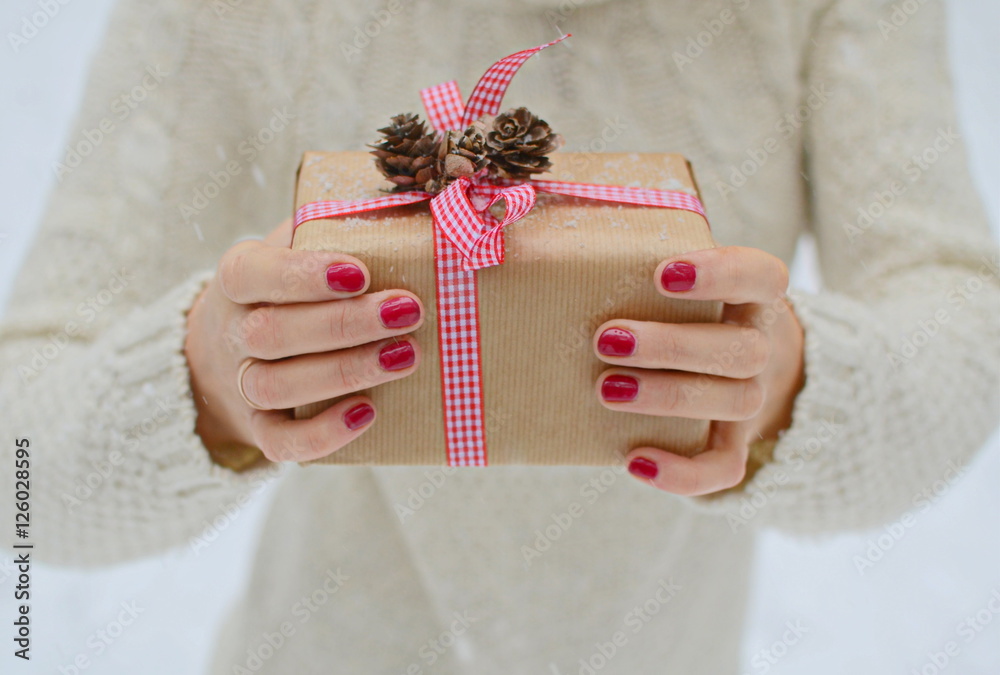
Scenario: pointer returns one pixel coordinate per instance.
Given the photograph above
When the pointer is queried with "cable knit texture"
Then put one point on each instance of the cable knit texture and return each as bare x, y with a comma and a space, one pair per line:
795, 114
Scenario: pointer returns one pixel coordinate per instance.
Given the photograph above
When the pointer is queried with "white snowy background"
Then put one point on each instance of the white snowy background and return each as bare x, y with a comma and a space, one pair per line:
895, 618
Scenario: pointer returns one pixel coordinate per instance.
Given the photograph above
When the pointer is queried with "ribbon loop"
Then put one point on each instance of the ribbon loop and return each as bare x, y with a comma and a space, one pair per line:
456, 217
476, 234
489, 247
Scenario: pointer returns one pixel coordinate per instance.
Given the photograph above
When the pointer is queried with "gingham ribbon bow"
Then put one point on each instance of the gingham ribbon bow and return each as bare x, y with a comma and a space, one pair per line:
467, 237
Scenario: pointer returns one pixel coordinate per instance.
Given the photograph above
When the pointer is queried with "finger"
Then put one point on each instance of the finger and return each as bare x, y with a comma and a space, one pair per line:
278, 331
762, 317
716, 349
721, 465
679, 394
279, 385
283, 439
253, 272
732, 274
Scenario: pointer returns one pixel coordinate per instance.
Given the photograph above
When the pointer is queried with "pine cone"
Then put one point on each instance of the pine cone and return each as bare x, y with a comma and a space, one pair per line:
517, 143
461, 153
407, 155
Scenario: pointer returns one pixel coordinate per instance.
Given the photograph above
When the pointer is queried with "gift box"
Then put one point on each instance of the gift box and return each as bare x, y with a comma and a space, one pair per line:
568, 265
515, 270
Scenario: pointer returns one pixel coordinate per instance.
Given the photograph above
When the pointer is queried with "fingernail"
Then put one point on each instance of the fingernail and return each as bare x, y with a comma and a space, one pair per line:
397, 356
399, 312
643, 468
358, 416
678, 276
616, 342
619, 388
345, 277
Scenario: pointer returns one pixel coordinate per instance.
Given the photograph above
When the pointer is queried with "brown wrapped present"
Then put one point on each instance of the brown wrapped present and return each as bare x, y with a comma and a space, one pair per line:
571, 264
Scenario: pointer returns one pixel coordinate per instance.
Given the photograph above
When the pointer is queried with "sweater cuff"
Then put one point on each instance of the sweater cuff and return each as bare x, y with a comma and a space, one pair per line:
790, 480
151, 398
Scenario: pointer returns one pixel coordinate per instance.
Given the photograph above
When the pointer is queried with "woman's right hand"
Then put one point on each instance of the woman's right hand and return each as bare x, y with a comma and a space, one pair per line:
295, 327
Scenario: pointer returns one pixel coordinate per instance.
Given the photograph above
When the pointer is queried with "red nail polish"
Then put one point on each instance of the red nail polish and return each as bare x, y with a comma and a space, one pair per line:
399, 312
345, 277
643, 468
397, 356
619, 388
359, 416
678, 276
616, 342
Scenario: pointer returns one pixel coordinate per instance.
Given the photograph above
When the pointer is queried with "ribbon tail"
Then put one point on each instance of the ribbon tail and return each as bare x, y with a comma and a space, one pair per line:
488, 94
459, 349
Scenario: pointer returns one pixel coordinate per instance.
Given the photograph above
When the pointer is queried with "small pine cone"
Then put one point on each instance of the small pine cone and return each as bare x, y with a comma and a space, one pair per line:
407, 154
518, 143
461, 153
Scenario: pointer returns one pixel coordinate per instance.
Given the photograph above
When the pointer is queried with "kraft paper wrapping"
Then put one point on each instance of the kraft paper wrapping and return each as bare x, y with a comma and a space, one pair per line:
570, 265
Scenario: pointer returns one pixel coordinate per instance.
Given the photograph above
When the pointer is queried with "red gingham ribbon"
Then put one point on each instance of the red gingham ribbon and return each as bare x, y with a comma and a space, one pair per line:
467, 237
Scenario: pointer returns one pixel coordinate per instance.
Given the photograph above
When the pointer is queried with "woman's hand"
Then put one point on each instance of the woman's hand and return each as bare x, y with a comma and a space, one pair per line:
743, 373
288, 328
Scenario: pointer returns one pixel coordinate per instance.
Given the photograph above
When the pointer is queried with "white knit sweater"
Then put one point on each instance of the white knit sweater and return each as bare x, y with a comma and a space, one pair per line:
833, 116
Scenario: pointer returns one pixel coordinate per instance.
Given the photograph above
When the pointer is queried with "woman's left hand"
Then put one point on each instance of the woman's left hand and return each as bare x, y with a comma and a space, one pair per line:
743, 373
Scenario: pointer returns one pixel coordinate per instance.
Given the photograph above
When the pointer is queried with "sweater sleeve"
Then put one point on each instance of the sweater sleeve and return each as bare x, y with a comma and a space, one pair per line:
902, 347
92, 368
117, 469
